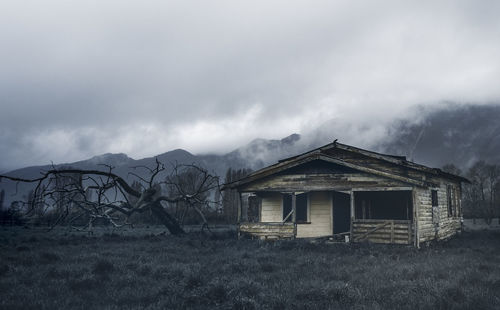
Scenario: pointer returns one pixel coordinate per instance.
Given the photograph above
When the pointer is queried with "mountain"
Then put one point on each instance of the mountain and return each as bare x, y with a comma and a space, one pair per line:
121, 163
254, 155
433, 136
458, 134
262, 152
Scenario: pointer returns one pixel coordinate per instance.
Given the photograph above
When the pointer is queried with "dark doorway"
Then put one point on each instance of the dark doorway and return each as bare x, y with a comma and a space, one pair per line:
341, 212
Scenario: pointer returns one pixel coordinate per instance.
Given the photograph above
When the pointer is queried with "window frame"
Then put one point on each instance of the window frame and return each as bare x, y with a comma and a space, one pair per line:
449, 200
284, 196
435, 205
458, 201
308, 208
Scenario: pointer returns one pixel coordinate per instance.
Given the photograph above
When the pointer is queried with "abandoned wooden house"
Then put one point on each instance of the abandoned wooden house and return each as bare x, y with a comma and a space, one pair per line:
344, 192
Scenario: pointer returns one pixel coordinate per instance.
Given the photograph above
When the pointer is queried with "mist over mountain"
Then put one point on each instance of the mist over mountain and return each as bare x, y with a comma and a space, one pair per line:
458, 134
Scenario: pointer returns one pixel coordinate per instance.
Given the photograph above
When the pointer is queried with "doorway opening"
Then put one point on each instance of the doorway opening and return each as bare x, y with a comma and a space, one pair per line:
341, 212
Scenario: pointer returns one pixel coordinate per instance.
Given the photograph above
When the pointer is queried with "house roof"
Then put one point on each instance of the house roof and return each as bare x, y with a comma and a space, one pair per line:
320, 154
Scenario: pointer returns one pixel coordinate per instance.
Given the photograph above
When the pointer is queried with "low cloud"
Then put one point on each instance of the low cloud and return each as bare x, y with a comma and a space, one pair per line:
144, 78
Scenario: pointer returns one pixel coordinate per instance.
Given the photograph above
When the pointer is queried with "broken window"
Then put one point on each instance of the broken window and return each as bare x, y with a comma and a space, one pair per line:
301, 206
287, 207
451, 211
457, 201
435, 206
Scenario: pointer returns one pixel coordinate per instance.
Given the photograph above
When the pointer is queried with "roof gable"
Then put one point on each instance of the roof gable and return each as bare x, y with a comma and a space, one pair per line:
357, 159
318, 166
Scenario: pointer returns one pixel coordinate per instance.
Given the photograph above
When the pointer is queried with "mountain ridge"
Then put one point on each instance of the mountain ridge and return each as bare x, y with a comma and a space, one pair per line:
458, 134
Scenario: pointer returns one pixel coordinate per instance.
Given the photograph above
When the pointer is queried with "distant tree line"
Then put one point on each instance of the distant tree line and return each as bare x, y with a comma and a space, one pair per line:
480, 198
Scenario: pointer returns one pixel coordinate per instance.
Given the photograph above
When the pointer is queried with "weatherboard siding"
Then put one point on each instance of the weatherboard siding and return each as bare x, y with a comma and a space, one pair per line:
320, 182
319, 213
272, 210
443, 226
320, 218
425, 224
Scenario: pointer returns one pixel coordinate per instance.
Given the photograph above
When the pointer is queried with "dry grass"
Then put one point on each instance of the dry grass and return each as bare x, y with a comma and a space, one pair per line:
47, 271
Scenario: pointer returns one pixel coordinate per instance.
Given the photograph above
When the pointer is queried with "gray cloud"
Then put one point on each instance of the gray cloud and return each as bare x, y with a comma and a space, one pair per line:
89, 77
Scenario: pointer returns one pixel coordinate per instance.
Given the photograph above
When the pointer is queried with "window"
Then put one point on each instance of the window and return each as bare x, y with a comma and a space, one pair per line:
451, 209
287, 207
301, 203
456, 193
434, 194
435, 206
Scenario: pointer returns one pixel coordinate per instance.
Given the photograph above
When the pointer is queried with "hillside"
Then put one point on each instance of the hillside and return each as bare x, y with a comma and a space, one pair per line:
460, 135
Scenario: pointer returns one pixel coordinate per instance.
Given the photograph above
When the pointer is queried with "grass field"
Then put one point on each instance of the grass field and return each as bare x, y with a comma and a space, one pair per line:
75, 271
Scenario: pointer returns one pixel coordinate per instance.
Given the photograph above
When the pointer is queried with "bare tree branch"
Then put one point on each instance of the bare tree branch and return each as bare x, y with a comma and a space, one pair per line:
68, 193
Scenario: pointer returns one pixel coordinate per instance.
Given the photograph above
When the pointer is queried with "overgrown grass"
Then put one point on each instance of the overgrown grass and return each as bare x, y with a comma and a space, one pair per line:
47, 271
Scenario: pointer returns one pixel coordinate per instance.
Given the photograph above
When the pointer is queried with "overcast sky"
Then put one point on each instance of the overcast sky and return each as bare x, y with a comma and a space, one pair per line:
81, 78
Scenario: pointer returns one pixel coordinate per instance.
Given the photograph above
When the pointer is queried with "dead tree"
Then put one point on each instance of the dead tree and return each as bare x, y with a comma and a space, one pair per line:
92, 195
192, 179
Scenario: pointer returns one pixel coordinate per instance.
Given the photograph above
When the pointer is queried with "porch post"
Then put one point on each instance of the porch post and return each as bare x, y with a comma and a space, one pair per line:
415, 217
294, 214
244, 206
238, 207
260, 208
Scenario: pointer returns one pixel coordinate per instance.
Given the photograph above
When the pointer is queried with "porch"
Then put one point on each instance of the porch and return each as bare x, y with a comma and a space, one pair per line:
364, 216
375, 231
